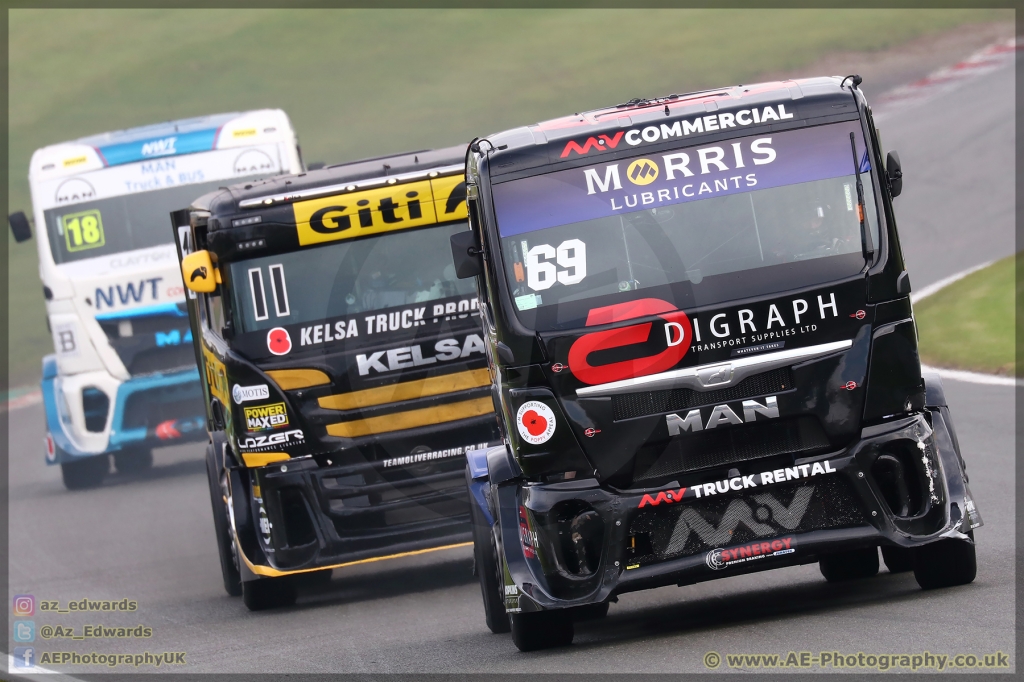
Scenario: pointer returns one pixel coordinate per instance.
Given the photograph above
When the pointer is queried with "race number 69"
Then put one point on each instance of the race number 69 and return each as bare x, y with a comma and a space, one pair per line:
541, 273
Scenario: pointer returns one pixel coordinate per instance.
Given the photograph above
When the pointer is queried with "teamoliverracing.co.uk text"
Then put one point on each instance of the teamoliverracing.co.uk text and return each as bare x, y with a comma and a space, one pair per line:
860, 660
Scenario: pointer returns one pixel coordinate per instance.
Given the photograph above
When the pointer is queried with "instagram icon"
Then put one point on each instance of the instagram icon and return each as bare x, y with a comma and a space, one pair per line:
24, 605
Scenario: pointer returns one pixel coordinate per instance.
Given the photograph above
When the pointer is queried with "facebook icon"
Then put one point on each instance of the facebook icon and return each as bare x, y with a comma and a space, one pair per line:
24, 656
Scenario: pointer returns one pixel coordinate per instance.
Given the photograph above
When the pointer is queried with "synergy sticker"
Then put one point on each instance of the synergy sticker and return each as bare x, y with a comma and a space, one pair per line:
536, 422
721, 558
278, 341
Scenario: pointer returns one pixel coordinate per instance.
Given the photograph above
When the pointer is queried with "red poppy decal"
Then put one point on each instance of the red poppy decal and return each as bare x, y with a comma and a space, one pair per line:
278, 341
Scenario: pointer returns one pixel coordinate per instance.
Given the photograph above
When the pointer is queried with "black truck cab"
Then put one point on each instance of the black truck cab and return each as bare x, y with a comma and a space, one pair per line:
343, 366
705, 360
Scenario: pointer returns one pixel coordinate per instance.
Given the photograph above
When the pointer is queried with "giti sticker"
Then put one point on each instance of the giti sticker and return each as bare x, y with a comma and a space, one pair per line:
384, 209
266, 417
536, 422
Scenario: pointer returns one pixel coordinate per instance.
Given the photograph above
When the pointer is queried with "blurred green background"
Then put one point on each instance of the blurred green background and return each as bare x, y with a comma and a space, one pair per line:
359, 83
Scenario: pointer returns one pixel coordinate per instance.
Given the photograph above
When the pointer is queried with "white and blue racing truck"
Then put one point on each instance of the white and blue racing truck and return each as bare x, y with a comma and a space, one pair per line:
123, 376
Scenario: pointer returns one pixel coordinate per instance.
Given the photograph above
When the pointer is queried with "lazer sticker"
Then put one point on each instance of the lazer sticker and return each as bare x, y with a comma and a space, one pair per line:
278, 341
536, 422
718, 559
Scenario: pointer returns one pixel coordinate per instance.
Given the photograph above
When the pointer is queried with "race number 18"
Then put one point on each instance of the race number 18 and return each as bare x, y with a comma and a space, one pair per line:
83, 230
541, 273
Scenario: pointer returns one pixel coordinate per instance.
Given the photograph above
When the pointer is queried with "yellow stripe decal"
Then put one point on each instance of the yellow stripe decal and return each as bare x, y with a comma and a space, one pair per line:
448, 383
269, 572
413, 418
290, 379
259, 459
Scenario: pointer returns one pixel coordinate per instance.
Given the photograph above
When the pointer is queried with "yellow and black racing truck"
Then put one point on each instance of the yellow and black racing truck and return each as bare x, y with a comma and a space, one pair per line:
342, 363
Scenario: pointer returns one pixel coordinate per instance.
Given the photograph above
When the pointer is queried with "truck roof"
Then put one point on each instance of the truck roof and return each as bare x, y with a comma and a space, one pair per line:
283, 189
160, 140
643, 125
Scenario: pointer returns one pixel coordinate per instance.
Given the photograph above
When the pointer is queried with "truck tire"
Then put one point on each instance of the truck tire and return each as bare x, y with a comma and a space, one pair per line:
485, 554
85, 473
850, 565
590, 611
898, 559
133, 461
542, 630
946, 563
268, 593
225, 542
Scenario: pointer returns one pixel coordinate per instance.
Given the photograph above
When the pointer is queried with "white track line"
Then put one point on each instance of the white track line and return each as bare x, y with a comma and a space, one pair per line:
946, 281
973, 377
948, 78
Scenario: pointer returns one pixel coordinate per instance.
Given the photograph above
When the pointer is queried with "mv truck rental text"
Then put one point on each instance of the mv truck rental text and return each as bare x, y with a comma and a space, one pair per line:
705, 362
122, 379
343, 367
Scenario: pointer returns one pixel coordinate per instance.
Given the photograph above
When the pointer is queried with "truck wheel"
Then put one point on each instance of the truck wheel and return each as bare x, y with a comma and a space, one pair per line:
851, 565
268, 593
225, 542
898, 559
485, 553
542, 630
590, 611
85, 473
946, 563
133, 461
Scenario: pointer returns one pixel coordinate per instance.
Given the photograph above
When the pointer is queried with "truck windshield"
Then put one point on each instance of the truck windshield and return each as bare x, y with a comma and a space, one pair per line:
121, 223
695, 226
347, 277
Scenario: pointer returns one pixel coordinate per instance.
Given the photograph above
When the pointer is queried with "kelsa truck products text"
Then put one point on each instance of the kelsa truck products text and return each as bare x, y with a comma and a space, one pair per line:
698, 323
343, 365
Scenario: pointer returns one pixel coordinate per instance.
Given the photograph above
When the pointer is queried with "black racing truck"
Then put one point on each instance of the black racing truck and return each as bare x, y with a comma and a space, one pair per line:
342, 364
705, 358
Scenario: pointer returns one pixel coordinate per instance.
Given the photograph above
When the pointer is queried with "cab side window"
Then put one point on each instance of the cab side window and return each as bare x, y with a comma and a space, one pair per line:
215, 312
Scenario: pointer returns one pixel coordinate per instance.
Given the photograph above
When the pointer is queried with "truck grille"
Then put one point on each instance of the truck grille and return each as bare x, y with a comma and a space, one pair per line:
631, 405
729, 445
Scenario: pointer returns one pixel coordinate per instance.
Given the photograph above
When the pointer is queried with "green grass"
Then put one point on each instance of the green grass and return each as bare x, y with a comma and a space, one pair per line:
970, 324
360, 83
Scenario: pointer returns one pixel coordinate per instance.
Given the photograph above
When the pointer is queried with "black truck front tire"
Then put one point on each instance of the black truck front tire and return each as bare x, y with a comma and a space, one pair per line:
85, 473
946, 563
849, 565
485, 553
133, 461
542, 629
225, 542
268, 593
898, 559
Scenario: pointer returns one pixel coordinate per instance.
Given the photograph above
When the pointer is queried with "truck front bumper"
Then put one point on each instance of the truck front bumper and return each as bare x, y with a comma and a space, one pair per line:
573, 543
94, 414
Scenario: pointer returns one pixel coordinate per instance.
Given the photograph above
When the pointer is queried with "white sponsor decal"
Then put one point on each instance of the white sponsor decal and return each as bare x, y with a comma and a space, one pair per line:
405, 357
256, 443
419, 457
536, 422
242, 394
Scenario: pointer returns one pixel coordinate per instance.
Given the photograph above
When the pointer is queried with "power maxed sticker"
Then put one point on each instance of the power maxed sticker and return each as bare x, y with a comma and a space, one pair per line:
536, 422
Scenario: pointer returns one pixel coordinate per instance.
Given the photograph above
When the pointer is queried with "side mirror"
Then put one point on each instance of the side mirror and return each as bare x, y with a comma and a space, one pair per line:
467, 255
894, 173
199, 272
20, 228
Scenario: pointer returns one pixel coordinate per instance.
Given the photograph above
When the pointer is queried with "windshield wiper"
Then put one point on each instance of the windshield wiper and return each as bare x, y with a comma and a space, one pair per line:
865, 235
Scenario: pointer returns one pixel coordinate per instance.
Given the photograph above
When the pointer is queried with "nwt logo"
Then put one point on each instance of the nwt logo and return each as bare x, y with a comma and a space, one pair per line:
159, 147
600, 142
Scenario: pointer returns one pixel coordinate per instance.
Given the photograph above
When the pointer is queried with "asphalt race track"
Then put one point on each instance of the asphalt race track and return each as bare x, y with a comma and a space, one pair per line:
150, 539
